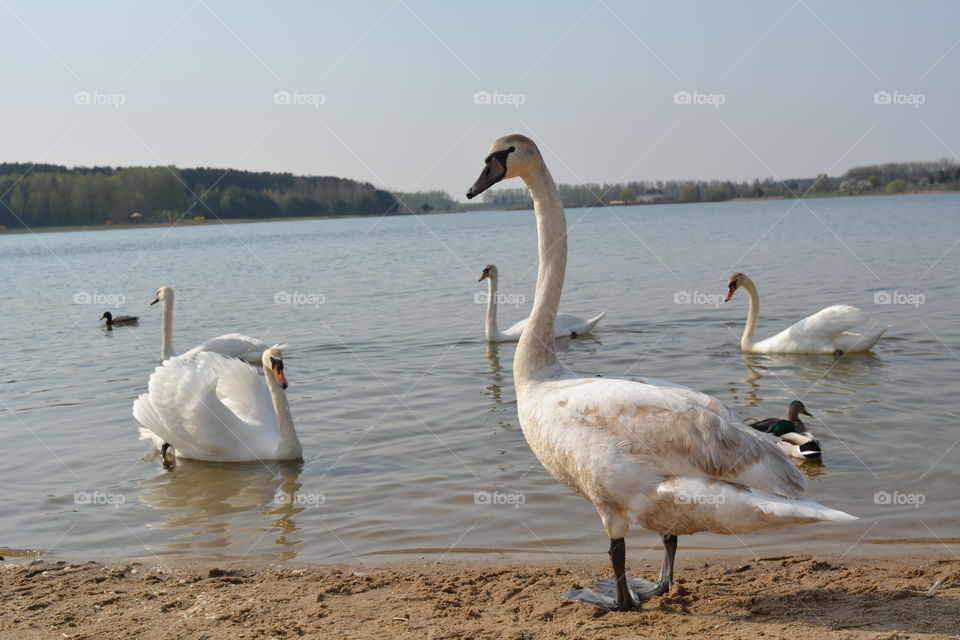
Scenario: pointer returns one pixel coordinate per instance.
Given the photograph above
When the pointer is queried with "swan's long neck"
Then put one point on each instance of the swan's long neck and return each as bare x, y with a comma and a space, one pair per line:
535, 352
491, 321
288, 446
753, 313
166, 341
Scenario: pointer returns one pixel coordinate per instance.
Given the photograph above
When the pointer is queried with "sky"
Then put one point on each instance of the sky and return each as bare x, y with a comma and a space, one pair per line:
409, 94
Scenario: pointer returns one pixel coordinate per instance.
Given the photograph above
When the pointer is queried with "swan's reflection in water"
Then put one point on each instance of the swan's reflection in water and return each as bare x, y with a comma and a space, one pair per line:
220, 506
775, 377
573, 348
495, 389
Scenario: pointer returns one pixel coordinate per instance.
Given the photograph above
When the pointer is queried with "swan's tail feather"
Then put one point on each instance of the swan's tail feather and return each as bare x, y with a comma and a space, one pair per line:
150, 436
871, 339
592, 322
856, 342
688, 505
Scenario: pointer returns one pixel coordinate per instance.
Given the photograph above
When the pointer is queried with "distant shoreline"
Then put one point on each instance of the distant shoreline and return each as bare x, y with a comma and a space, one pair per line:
192, 222
182, 223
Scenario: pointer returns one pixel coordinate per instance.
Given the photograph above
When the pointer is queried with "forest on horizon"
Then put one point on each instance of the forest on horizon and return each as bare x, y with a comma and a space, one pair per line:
44, 195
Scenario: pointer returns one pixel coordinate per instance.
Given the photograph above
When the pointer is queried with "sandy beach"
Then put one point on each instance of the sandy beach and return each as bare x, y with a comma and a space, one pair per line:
788, 596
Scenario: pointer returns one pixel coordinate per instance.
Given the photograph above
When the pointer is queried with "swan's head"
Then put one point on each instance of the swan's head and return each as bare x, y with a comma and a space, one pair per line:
163, 293
107, 316
796, 408
509, 157
736, 280
489, 271
273, 360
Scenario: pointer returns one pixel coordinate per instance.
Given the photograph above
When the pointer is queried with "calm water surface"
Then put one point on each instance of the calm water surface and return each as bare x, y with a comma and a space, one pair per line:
408, 418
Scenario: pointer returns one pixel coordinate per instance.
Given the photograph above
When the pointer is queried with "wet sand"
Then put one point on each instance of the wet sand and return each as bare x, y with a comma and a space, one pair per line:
729, 596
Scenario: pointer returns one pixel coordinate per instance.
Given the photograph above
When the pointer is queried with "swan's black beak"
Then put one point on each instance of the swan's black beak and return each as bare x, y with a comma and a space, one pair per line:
155, 300
493, 172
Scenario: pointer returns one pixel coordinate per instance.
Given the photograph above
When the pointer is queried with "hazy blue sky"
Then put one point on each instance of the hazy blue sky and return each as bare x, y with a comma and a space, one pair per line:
397, 81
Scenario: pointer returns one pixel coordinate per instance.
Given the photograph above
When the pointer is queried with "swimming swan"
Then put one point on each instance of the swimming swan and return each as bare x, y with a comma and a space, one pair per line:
231, 345
210, 407
826, 331
565, 325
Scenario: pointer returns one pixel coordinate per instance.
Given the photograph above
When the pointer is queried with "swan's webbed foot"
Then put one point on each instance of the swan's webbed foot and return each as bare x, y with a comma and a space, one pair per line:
621, 593
167, 460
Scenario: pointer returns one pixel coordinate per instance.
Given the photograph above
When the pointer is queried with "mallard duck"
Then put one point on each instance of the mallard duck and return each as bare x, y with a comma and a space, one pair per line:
119, 320
794, 437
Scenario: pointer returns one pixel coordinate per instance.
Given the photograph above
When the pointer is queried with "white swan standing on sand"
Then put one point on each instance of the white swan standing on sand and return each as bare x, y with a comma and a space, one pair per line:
231, 345
565, 325
213, 408
661, 456
826, 331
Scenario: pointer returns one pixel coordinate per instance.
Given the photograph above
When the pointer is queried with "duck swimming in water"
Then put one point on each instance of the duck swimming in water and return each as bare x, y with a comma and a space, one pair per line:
119, 320
795, 440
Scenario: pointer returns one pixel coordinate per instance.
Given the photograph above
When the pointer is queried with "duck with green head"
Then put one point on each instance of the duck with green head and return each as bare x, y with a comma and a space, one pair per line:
794, 437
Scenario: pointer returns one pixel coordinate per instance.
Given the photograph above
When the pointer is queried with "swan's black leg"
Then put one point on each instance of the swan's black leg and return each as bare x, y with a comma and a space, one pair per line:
666, 570
163, 455
618, 557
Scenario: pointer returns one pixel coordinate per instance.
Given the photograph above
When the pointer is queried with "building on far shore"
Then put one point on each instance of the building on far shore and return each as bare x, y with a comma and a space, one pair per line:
649, 196
653, 195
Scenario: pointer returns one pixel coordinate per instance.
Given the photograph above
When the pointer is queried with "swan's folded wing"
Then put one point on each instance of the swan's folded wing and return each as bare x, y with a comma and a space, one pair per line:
233, 345
828, 323
242, 389
676, 435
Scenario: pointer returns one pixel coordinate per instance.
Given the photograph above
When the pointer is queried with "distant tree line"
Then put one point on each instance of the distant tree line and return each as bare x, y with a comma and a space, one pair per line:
426, 202
900, 177
53, 195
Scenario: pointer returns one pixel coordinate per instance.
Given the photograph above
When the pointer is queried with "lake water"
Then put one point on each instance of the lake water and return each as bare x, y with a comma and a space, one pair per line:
408, 418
